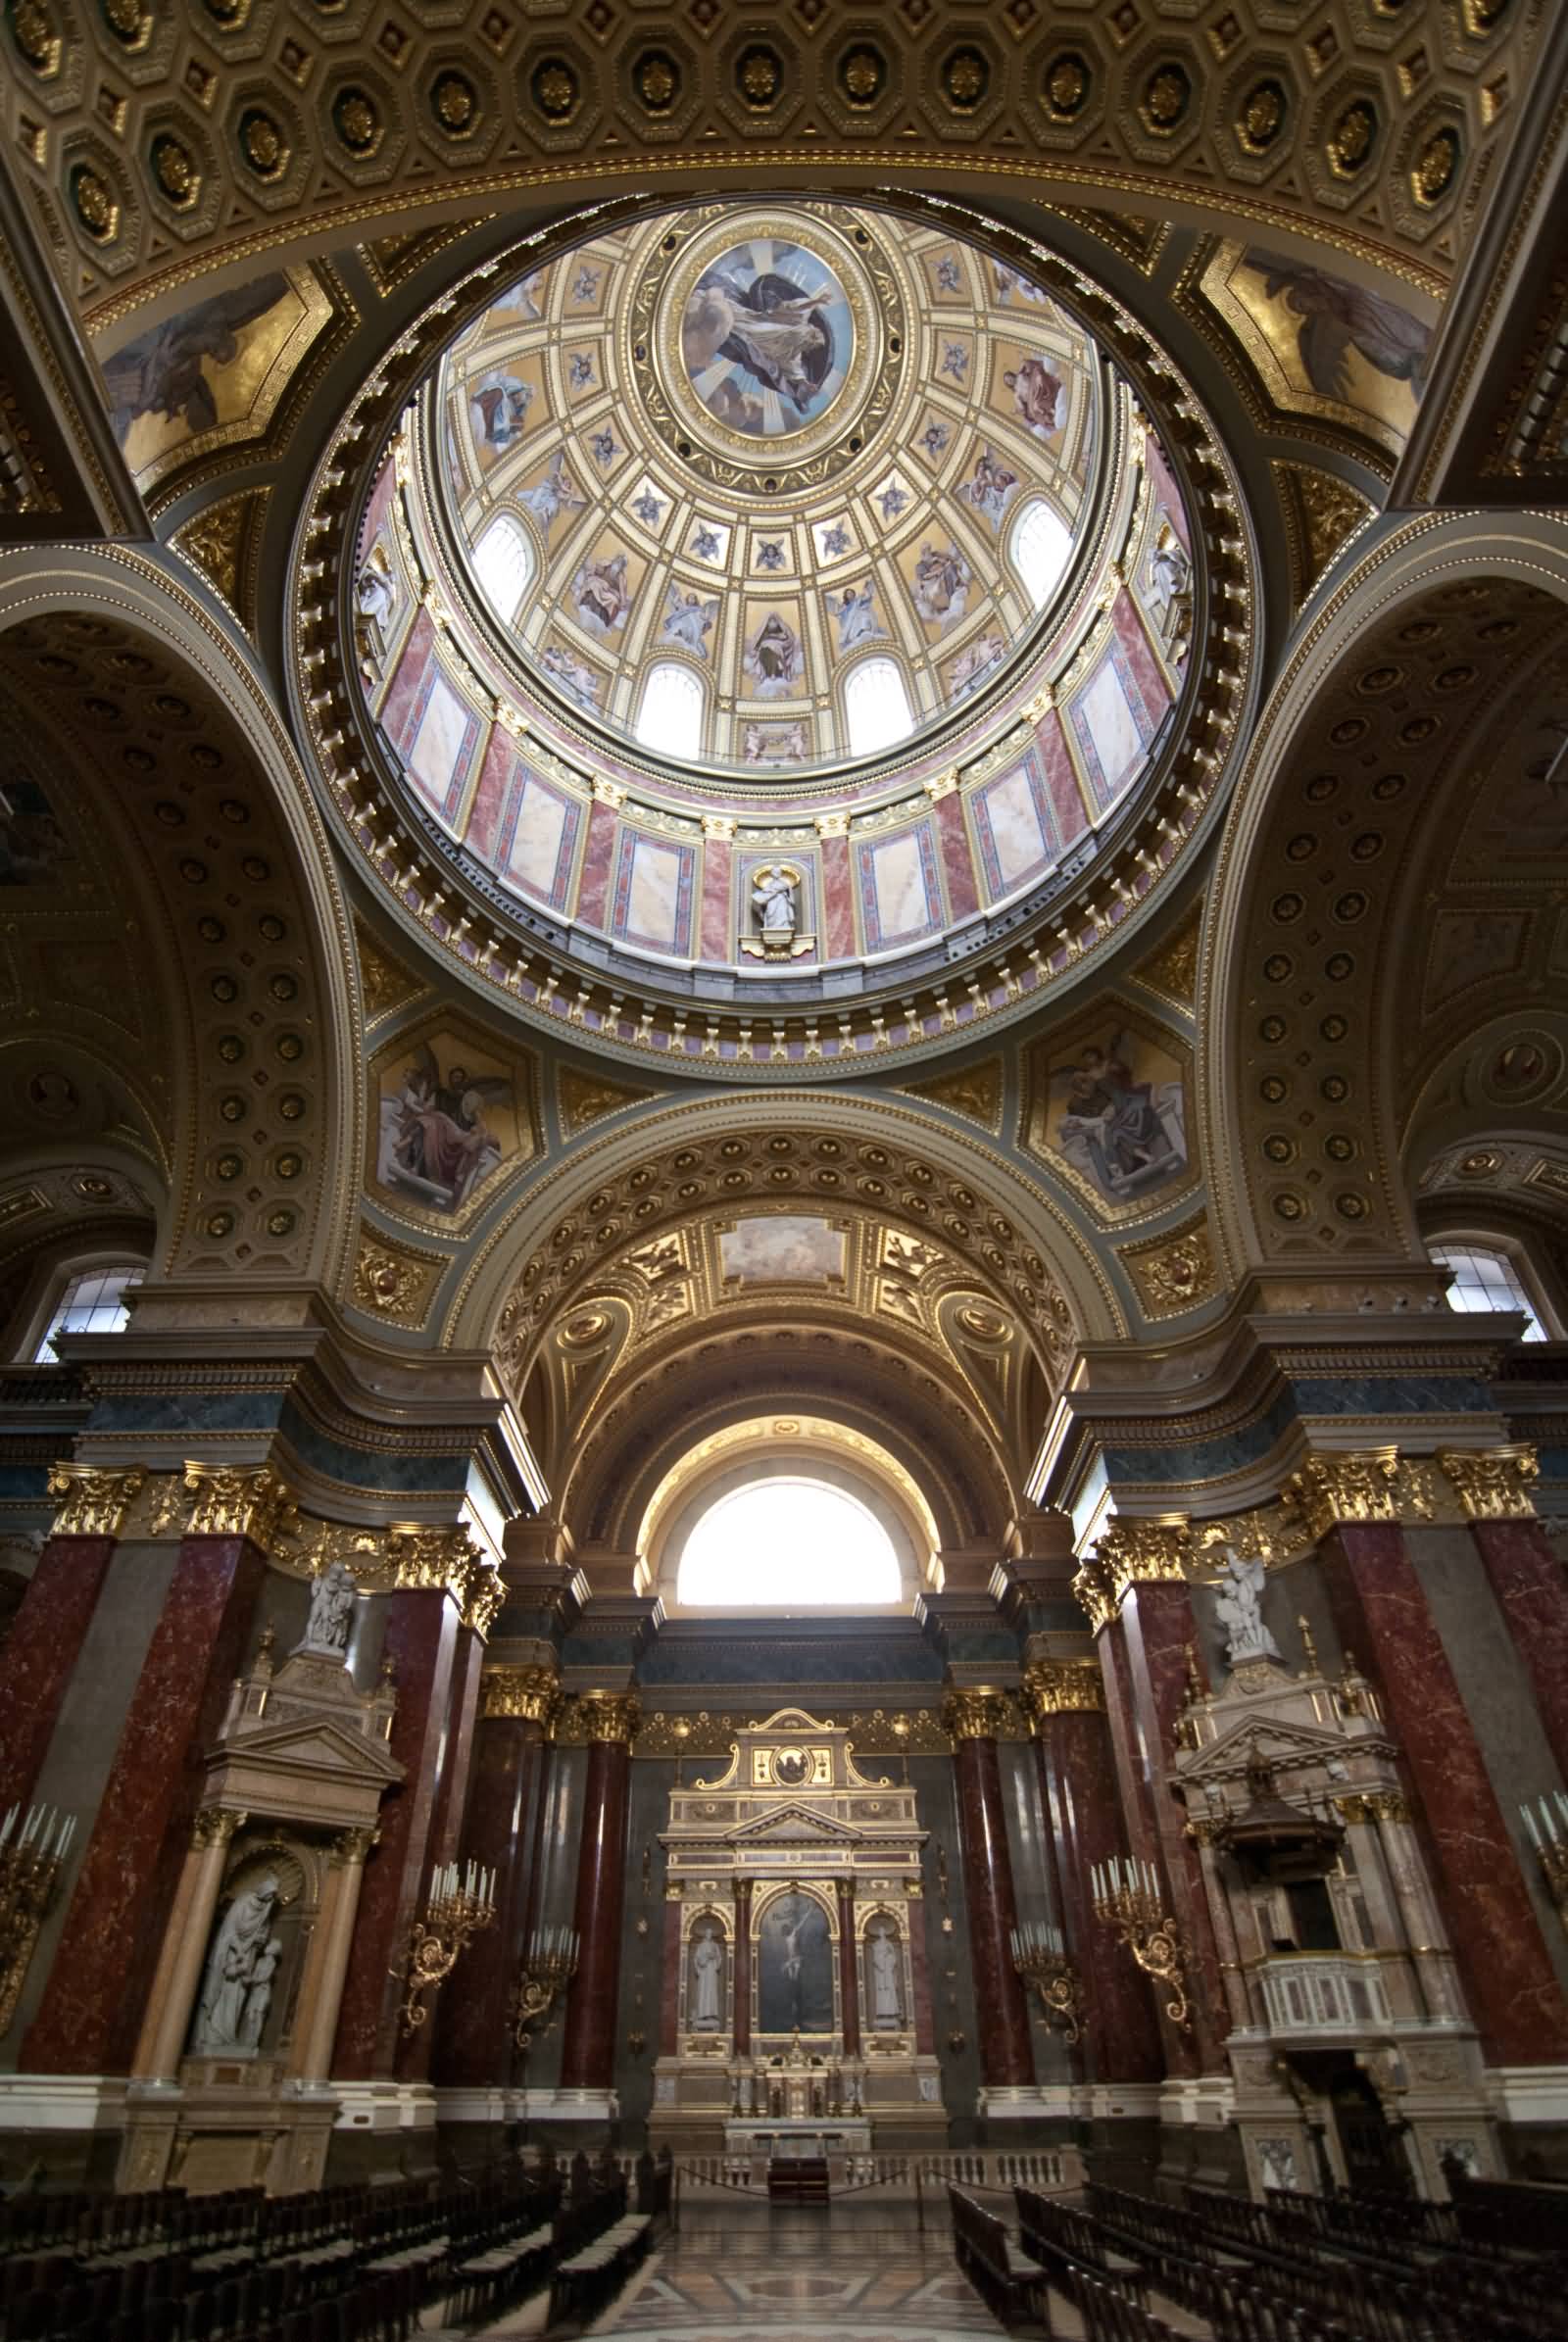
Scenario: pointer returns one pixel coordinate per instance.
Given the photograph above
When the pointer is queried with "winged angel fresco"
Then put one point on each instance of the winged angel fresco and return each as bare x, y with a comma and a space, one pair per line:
436, 1144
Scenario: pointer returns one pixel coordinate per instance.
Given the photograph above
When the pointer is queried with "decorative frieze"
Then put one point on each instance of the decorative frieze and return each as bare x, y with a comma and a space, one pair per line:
92, 1502
873, 1732
1063, 1688
1492, 1484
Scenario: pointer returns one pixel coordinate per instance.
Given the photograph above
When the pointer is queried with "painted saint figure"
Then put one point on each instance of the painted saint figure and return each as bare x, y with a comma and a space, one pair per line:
854, 616
557, 493
1036, 394
774, 658
687, 619
1122, 1134
441, 1145
941, 584
600, 595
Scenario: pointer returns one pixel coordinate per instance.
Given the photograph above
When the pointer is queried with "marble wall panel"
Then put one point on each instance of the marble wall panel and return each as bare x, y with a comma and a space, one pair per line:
900, 892
489, 796
1015, 828
536, 840
1112, 724
1127, 618
958, 863
41, 1652
440, 740
838, 899
412, 668
718, 941
599, 853
655, 886
1065, 797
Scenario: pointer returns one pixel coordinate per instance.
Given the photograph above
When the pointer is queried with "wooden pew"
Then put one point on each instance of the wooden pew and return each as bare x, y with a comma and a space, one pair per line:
1008, 2279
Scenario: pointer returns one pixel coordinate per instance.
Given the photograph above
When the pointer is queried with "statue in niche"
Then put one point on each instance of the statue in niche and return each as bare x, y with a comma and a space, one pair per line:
706, 1985
887, 2008
773, 890
1171, 578
239, 1946
332, 1599
258, 1993
1276, 2163
1239, 1601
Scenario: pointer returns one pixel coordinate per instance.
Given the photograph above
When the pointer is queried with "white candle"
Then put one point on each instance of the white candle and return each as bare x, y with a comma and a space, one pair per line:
1529, 1825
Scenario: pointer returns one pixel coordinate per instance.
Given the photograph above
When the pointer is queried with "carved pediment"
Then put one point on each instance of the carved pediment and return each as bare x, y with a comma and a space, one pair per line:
311, 1744
1285, 1744
789, 1824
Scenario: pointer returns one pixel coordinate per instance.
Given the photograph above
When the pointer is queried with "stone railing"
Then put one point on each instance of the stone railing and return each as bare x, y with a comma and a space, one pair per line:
1049, 2171
1308, 1992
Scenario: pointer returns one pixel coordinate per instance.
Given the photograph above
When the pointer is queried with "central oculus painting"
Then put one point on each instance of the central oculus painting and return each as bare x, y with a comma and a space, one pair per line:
768, 338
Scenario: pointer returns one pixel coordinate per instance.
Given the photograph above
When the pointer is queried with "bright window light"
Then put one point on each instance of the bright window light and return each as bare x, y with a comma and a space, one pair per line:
877, 707
1484, 1281
788, 1544
671, 719
92, 1303
502, 562
1039, 548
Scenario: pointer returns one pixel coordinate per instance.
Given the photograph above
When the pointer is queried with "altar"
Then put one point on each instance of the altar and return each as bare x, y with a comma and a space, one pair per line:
795, 2004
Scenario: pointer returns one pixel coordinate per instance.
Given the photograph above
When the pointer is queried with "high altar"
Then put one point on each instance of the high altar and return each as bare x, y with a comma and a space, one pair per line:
797, 2014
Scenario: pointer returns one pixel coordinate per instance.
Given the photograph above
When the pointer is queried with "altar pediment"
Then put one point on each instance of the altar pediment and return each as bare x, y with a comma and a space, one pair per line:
791, 1825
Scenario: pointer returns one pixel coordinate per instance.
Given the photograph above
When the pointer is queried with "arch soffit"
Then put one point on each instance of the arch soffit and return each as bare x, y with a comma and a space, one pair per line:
1411, 563
140, 594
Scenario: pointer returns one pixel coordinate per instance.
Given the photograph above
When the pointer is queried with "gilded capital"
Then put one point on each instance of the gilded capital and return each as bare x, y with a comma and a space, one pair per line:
92, 1502
1132, 1551
532, 1693
1095, 1591
248, 1500
1352, 1484
216, 1825
976, 1715
432, 1561
482, 1597
351, 1846
601, 1716
1063, 1688
1492, 1484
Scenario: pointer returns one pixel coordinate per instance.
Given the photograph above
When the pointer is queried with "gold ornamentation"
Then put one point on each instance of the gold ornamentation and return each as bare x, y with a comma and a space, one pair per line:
37, 37
1063, 1688
1128, 1898
1173, 969
95, 203
1492, 1484
1271, 1533
385, 982
1056, 1979
1375, 1805
532, 1693
1352, 138
1322, 513
976, 1091
92, 1502
248, 1501
437, 1940
30, 1865
175, 171
980, 1714
1353, 1485
587, 1098
216, 542
351, 1846
1150, 1552
395, 1281
1173, 1272
216, 1825
1094, 1590
598, 1716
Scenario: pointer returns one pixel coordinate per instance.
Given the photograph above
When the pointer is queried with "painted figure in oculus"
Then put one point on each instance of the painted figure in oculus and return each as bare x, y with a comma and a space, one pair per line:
1238, 1600
1125, 1136
992, 488
707, 1970
237, 1948
1009, 282
568, 673
524, 298
766, 337
854, 616
1037, 393
687, 619
601, 596
887, 2007
442, 1147
332, 1599
774, 658
974, 660
773, 900
557, 493
941, 584
498, 409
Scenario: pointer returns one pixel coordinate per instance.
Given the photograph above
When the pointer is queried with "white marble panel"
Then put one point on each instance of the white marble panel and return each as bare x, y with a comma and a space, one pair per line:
653, 901
1015, 832
536, 842
901, 907
438, 743
1113, 725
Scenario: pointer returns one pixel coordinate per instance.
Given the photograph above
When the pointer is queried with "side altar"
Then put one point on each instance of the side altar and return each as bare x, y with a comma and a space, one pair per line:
796, 2016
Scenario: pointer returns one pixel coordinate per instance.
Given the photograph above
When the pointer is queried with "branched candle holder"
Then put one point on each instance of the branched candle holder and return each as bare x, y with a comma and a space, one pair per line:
31, 1859
453, 1913
1127, 1897
1040, 1956
547, 1968
1550, 1838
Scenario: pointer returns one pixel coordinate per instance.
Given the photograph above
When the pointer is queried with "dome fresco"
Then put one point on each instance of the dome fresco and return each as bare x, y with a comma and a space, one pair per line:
721, 551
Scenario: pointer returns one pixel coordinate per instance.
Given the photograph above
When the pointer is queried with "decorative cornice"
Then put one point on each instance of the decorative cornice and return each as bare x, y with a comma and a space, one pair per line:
247, 1500
1492, 1484
93, 1502
1063, 1688
530, 1693
980, 1715
1352, 1484
598, 1716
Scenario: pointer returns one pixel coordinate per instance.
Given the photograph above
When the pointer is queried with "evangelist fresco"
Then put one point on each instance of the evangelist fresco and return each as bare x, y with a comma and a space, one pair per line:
795, 1966
1110, 1109
211, 376
1322, 345
768, 338
449, 1121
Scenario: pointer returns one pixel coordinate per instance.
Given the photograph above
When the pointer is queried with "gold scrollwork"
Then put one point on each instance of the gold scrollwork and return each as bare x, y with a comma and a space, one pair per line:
92, 1502
1492, 1484
1374, 1805
532, 1693
1063, 1688
351, 1846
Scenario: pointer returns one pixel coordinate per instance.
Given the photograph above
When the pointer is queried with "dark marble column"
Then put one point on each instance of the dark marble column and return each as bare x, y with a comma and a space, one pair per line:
90, 2015
1078, 1784
849, 1977
39, 1654
588, 2050
1006, 2053
1525, 1575
476, 2021
743, 1968
414, 2051
420, 1643
1381, 1613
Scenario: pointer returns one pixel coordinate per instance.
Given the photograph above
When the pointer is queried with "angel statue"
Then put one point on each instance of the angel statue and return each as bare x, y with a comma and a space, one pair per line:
1239, 1601
332, 1598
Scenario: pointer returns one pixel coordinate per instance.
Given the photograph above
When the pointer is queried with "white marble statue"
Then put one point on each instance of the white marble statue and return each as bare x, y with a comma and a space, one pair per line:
332, 1599
240, 1944
887, 2007
773, 900
708, 1968
258, 1993
1276, 2159
1238, 1600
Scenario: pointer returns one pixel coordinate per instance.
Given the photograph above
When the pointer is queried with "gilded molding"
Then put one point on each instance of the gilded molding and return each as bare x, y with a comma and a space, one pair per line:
1063, 1688
1492, 1484
980, 1715
598, 1716
216, 1825
93, 1502
249, 1501
1094, 1590
351, 1846
531, 1693
876, 1733
1134, 1551
1356, 1485
1378, 1805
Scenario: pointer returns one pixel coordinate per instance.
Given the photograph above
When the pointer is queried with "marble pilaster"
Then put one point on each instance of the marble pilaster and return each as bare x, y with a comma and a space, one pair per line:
849, 1975
42, 1648
743, 1967
588, 2049
1006, 2052
1527, 1578
415, 2052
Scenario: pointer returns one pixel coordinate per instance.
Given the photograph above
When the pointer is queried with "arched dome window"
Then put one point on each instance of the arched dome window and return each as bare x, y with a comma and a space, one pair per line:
1486, 1279
93, 1301
1039, 546
788, 1542
876, 706
671, 719
504, 563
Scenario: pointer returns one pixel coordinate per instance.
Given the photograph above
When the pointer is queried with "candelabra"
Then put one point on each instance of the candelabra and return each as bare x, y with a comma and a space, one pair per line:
547, 1968
1041, 1957
31, 1859
1127, 1897
454, 1913
1550, 1838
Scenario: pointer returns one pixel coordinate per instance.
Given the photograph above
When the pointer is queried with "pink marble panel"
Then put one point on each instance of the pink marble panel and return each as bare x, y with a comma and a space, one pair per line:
958, 863
1382, 1614
490, 794
1528, 1581
404, 688
1127, 618
593, 887
93, 2006
1006, 2050
717, 943
39, 1654
380, 503
1062, 781
838, 899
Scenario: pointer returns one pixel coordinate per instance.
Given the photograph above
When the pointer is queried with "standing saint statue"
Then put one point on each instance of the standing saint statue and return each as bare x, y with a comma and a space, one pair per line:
332, 1598
708, 1968
238, 1945
773, 900
886, 2004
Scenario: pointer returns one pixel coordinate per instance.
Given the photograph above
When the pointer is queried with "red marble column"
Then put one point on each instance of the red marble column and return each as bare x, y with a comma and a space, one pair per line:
1006, 2053
91, 2010
39, 1655
414, 2051
849, 1979
1532, 1593
925, 2024
743, 1968
1078, 1785
670, 1986
419, 1647
588, 2052
1382, 1614
474, 2023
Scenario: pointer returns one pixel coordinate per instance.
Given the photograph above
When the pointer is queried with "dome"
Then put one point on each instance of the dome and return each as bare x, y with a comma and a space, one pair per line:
773, 599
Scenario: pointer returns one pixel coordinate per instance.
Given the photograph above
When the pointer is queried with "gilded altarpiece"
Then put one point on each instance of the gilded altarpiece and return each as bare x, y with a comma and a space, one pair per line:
796, 2016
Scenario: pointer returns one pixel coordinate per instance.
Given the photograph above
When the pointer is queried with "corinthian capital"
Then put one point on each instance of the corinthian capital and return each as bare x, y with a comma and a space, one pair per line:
1492, 1484
1350, 1484
92, 1504
1063, 1688
977, 1715
1136, 1552
248, 1500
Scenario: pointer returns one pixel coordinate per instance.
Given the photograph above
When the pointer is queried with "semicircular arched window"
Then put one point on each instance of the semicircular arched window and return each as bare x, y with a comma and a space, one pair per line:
92, 1301
876, 706
787, 1542
1484, 1278
503, 564
670, 717
1039, 546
